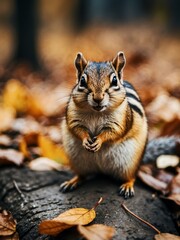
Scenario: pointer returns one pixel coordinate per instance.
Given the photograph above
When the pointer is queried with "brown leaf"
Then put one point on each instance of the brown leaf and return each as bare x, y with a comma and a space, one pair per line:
158, 179
52, 227
166, 236
97, 232
174, 185
164, 108
67, 219
51, 150
174, 197
151, 181
29, 139
9, 156
7, 224
14, 236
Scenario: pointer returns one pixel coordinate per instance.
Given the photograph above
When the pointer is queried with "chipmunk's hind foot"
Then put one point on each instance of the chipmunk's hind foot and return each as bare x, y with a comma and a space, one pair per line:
127, 189
70, 185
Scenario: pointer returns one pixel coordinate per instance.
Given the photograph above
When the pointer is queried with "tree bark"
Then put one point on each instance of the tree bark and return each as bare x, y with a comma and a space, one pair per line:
34, 196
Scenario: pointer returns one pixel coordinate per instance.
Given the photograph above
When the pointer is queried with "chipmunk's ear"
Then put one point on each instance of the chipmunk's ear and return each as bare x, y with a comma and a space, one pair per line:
119, 63
80, 63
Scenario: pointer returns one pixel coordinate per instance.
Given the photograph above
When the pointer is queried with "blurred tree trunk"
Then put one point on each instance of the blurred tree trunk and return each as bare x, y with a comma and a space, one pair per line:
26, 33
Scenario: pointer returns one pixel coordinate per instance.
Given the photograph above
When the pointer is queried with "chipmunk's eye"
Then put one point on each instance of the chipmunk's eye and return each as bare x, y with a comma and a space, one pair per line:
83, 82
114, 81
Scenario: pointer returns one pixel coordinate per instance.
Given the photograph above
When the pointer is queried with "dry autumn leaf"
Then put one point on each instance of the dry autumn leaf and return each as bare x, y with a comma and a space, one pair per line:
67, 219
164, 108
21, 99
166, 236
15, 95
7, 224
7, 115
14, 236
151, 181
45, 164
4, 140
52, 227
97, 232
51, 150
76, 216
165, 161
9, 156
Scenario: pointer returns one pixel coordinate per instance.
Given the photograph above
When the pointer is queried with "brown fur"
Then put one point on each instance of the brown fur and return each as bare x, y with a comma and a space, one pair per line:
104, 130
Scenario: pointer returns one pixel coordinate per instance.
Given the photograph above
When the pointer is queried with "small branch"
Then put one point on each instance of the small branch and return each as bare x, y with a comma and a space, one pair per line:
97, 204
142, 220
19, 191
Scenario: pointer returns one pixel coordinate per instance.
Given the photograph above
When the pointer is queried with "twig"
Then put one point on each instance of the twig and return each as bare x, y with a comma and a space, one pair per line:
142, 220
19, 191
97, 204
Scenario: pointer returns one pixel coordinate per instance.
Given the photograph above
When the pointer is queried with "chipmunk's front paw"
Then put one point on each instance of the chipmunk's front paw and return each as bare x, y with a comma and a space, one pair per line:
96, 145
87, 143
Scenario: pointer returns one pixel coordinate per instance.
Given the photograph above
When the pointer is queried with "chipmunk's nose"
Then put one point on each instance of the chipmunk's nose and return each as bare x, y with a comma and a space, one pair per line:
98, 98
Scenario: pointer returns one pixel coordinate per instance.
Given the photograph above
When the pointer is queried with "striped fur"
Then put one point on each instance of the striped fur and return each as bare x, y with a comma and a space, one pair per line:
105, 128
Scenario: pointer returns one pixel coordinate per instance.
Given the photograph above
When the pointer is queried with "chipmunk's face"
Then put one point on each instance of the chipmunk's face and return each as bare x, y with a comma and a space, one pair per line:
99, 84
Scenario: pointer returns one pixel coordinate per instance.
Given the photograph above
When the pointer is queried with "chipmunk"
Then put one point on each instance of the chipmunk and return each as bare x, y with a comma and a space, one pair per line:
105, 130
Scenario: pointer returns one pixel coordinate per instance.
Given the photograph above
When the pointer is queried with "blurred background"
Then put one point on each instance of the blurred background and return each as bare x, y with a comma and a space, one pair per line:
40, 38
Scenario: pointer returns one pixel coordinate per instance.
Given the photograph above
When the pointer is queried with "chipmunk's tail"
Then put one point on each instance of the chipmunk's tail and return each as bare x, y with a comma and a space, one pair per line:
161, 146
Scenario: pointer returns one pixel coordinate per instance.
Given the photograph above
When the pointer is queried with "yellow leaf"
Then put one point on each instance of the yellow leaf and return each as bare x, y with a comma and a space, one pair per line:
7, 115
76, 216
166, 236
97, 232
65, 220
15, 95
23, 147
19, 97
51, 150
52, 227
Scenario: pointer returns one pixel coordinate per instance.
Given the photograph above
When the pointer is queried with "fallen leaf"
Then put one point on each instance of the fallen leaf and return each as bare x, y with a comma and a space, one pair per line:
166, 236
171, 128
67, 219
7, 223
152, 182
9, 156
165, 161
26, 126
173, 197
7, 115
27, 140
97, 232
52, 227
164, 108
23, 147
15, 95
174, 185
51, 150
76, 216
45, 164
4, 140
14, 236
